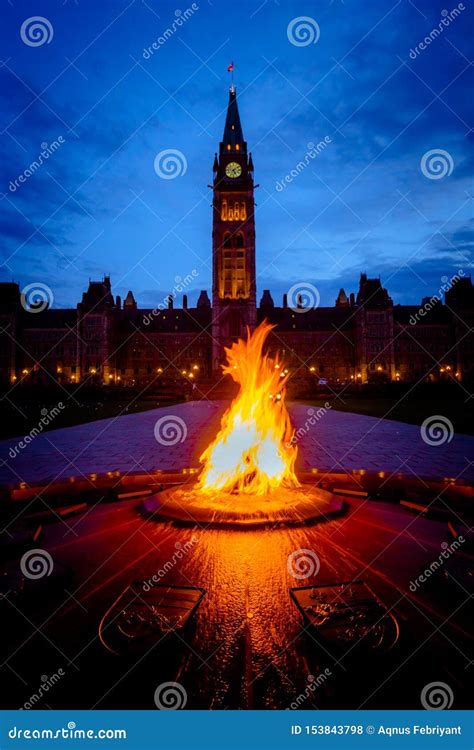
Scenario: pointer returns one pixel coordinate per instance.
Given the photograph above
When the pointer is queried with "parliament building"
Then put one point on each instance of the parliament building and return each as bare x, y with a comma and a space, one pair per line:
362, 338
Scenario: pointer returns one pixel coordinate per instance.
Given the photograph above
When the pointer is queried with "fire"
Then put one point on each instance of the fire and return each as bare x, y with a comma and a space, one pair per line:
253, 452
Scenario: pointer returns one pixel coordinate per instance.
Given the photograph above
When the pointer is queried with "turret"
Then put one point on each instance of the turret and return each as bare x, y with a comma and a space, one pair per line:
203, 300
267, 300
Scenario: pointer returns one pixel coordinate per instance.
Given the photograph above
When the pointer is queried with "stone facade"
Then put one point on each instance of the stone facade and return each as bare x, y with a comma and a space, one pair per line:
363, 338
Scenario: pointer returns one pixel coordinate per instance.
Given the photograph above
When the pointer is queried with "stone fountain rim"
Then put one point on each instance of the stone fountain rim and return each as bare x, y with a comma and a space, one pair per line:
318, 507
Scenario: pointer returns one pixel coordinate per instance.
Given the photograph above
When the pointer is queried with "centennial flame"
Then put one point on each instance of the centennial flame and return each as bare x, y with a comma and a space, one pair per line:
253, 452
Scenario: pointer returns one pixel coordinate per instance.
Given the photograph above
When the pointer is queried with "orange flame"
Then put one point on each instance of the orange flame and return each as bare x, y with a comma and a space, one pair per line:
252, 452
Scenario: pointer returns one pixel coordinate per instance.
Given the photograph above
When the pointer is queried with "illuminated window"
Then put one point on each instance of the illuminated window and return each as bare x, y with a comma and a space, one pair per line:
224, 211
243, 211
237, 147
228, 147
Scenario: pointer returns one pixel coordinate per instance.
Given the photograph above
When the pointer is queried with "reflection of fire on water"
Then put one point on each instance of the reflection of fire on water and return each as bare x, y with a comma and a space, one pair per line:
252, 452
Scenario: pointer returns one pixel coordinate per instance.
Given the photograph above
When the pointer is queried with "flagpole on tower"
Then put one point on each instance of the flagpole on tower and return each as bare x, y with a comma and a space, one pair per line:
230, 69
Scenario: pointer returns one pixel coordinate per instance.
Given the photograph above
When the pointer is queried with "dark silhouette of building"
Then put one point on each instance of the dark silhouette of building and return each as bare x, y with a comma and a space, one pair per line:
362, 338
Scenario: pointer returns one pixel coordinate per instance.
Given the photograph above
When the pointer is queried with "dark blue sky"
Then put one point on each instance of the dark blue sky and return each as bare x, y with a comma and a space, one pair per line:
97, 206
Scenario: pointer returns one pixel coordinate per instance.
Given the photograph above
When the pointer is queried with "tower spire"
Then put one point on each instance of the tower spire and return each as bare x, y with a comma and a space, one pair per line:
233, 135
234, 308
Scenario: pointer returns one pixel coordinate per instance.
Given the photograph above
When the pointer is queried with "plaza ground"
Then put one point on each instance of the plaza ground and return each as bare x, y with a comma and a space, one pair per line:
329, 440
247, 647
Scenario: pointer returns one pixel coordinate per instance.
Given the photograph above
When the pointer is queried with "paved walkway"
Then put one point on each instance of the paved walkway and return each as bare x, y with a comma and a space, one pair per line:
329, 440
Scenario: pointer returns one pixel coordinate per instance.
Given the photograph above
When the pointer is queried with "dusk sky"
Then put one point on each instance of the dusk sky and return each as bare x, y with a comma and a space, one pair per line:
363, 204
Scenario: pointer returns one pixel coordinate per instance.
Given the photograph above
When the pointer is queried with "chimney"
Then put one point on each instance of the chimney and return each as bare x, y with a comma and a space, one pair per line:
170, 301
285, 301
118, 301
185, 301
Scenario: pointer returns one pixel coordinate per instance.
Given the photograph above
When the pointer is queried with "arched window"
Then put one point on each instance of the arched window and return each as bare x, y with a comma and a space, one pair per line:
224, 211
243, 211
239, 240
227, 240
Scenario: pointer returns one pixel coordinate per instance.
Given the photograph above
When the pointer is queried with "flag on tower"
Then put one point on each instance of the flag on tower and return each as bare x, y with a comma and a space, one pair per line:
230, 67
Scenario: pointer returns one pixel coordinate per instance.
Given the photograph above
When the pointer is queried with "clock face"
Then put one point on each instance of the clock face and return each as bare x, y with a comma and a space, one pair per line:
233, 169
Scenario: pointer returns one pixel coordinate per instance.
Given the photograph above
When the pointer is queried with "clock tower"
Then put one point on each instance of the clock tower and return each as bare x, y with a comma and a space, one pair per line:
233, 237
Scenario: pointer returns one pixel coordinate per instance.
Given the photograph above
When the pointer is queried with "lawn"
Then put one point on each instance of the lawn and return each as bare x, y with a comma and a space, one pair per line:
412, 408
20, 417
